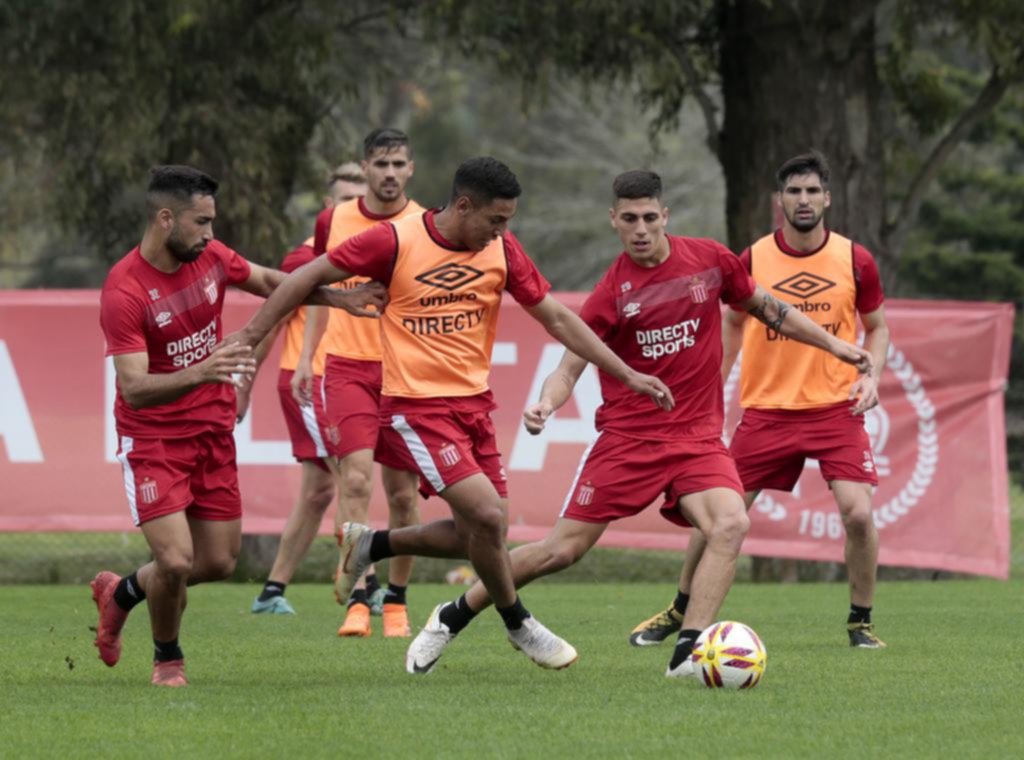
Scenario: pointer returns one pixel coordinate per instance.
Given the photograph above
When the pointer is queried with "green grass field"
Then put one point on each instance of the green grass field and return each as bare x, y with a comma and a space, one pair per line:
949, 684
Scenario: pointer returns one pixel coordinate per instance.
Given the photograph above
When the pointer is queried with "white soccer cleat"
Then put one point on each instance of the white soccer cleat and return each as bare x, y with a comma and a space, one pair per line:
542, 646
354, 540
428, 646
685, 669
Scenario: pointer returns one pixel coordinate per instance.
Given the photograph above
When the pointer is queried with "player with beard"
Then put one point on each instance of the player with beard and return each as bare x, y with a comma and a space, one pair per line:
161, 313
352, 384
798, 403
658, 308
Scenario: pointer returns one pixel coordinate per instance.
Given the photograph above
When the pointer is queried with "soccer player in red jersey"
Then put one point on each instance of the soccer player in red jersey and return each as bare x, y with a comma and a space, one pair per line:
657, 307
160, 311
445, 272
799, 403
299, 390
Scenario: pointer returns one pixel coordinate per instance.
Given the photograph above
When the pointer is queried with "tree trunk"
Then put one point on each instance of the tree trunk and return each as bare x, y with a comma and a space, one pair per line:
801, 74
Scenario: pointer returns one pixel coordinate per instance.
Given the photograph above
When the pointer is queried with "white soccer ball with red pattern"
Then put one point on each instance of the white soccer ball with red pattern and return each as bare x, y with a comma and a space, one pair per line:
729, 655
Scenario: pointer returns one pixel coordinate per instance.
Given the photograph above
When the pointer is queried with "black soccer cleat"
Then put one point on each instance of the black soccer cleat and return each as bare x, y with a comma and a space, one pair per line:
655, 630
863, 636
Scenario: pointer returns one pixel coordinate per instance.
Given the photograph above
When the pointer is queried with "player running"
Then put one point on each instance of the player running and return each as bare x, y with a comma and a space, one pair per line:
797, 402
161, 309
657, 308
445, 272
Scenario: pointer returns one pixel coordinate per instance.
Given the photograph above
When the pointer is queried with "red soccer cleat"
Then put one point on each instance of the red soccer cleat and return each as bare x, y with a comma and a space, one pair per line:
171, 673
112, 617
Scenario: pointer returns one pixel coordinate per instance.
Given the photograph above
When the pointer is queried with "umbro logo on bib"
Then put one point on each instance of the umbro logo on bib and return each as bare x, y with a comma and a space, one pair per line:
803, 285
450, 276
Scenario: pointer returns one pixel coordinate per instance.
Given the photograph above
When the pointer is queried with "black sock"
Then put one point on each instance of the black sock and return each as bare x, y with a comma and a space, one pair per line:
394, 594
380, 545
684, 647
272, 589
128, 592
514, 615
456, 615
679, 605
165, 651
859, 614
358, 597
372, 584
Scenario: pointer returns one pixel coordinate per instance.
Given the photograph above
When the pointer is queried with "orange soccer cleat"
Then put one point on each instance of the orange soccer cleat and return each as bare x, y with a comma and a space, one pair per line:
357, 622
396, 621
112, 617
170, 673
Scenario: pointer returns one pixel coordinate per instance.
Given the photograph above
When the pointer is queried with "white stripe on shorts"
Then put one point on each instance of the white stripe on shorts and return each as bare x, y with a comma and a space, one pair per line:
419, 452
129, 476
576, 477
313, 428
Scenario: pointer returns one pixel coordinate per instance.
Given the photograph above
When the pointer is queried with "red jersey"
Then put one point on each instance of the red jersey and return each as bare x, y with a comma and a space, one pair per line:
666, 321
176, 320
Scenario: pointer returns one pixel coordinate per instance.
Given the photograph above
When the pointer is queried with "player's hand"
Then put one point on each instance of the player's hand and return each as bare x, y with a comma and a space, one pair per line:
653, 387
535, 416
367, 300
243, 394
229, 363
854, 355
865, 390
302, 384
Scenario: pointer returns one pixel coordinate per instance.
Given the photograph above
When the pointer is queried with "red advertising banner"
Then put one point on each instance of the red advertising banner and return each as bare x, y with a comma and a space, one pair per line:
938, 438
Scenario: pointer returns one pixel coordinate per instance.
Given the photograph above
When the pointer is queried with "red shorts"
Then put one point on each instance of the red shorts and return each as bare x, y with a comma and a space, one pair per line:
619, 476
770, 447
444, 447
351, 404
196, 475
305, 423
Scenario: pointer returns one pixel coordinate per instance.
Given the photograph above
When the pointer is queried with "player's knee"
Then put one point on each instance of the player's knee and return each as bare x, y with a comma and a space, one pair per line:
404, 507
319, 496
489, 520
355, 484
174, 564
561, 557
729, 528
858, 520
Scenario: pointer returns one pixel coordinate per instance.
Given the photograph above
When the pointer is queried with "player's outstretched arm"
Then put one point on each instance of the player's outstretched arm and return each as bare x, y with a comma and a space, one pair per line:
554, 392
301, 286
572, 332
139, 388
876, 343
785, 320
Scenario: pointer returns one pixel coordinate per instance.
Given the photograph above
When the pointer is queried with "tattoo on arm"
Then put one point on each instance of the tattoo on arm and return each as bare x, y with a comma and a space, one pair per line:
771, 311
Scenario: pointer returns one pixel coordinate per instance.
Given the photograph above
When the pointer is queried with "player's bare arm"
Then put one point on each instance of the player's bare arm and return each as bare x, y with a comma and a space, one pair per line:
555, 391
140, 388
263, 281
876, 343
785, 320
732, 339
566, 326
313, 333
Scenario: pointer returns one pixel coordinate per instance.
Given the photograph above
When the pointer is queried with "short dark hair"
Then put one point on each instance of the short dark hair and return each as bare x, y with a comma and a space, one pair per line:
172, 186
387, 138
811, 162
638, 183
483, 179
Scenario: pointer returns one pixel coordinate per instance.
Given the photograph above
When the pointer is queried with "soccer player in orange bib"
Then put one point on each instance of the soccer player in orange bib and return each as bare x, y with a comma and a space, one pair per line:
161, 313
305, 417
657, 307
799, 403
445, 272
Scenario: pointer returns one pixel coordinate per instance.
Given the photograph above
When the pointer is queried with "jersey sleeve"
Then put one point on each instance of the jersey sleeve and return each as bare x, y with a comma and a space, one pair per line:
525, 282
370, 254
869, 285
737, 284
322, 230
599, 311
122, 318
236, 269
297, 258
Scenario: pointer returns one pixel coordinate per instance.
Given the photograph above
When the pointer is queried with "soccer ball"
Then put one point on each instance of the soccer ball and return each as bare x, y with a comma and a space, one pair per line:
729, 655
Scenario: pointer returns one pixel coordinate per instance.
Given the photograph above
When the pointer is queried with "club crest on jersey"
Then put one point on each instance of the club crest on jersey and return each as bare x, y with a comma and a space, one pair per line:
210, 288
148, 491
626, 287
154, 294
585, 495
698, 290
449, 455
631, 309
163, 318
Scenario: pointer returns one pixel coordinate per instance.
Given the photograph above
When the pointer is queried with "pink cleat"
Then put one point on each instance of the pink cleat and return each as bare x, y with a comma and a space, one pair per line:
171, 673
112, 617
